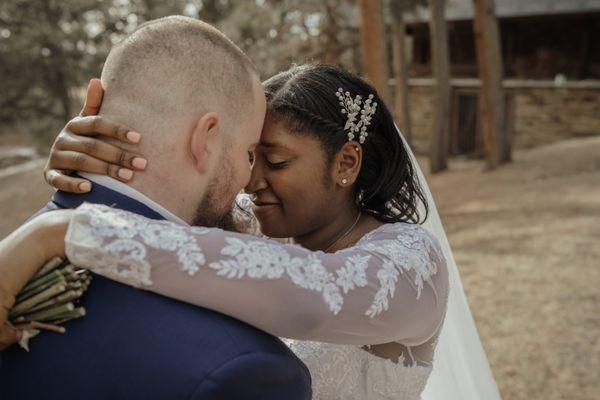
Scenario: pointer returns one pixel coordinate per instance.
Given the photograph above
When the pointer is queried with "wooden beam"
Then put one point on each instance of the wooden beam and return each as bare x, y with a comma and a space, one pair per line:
400, 68
491, 99
440, 61
374, 47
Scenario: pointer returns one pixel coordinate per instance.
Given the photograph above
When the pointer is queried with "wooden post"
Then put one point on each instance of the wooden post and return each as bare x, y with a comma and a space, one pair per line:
491, 97
374, 47
401, 95
440, 62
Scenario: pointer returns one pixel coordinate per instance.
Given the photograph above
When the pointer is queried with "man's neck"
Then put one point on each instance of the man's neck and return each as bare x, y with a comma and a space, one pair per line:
145, 197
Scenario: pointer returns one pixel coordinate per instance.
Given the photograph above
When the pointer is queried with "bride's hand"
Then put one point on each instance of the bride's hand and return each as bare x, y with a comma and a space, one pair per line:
8, 333
77, 149
22, 254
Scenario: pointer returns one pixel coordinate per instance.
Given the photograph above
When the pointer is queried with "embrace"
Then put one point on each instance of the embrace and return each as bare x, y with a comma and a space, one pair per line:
249, 240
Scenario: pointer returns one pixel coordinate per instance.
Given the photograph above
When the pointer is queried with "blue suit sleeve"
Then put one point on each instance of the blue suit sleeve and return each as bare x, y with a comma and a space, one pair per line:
257, 376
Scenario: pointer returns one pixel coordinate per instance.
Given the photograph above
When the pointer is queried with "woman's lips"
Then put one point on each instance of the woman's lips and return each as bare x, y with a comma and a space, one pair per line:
263, 207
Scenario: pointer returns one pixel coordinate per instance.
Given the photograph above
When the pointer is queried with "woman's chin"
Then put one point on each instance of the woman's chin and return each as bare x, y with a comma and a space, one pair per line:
273, 228
271, 231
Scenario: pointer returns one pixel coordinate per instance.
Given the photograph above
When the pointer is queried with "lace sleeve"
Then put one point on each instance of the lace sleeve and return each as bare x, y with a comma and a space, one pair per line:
391, 286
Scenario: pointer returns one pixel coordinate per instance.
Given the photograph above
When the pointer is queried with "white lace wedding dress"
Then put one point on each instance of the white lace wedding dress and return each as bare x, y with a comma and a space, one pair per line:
390, 288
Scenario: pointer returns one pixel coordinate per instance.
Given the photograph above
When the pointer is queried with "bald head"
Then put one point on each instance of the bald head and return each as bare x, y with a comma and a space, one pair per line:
170, 71
197, 100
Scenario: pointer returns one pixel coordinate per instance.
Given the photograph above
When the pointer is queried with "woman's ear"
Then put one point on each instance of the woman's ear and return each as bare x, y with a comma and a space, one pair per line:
347, 164
205, 136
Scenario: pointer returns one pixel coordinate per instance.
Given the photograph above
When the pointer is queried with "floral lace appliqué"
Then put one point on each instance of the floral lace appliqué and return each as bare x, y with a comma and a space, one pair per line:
125, 236
344, 372
130, 234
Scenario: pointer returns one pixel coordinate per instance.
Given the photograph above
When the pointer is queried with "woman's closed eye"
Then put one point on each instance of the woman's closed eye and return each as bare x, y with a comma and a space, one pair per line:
276, 164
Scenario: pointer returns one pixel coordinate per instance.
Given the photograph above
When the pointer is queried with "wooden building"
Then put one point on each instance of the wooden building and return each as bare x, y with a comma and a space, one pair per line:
551, 56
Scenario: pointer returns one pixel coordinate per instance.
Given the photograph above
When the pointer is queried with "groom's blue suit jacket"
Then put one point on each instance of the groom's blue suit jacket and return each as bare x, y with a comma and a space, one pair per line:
134, 344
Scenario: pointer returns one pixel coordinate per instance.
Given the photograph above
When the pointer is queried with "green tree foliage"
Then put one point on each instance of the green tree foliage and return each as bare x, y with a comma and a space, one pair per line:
50, 48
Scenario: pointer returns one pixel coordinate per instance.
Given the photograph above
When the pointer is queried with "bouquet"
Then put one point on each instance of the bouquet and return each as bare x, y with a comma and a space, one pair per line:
49, 299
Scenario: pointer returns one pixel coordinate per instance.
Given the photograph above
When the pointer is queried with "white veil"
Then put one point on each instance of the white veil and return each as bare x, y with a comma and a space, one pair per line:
460, 367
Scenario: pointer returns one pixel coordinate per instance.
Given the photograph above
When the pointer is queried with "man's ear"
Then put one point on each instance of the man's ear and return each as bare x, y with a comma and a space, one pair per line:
347, 164
204, 139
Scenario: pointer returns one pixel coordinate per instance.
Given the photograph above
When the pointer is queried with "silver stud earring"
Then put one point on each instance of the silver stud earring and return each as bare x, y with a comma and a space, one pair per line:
356, 148
344, 181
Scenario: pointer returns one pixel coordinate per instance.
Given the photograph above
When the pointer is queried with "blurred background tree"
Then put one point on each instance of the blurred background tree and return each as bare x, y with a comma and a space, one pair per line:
428, 69
50, 48
400, 62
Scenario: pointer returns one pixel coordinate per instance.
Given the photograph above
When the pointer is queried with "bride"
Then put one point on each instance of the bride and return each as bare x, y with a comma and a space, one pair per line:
364, 311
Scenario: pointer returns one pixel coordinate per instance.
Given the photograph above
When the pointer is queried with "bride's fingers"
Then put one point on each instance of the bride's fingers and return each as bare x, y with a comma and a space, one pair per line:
61, 181
9, 335
72, 160
97, 149
93, 99
97, 125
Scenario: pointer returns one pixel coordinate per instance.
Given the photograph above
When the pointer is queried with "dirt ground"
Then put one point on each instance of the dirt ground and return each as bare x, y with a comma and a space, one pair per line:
525, 237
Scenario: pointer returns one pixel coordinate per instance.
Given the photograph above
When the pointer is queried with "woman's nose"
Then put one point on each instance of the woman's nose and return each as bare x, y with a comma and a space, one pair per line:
257, 181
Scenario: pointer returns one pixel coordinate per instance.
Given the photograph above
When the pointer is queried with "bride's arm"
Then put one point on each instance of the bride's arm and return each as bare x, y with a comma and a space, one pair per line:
22, 253
390, 287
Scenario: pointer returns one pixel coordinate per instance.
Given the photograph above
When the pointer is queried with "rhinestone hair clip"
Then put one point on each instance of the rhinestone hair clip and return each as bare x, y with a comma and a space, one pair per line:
352, 108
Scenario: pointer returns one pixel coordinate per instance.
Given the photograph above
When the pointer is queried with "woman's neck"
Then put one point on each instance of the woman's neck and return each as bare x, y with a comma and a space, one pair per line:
342, 232
366, 224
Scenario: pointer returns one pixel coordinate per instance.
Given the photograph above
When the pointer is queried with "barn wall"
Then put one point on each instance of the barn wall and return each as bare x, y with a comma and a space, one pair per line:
542, 113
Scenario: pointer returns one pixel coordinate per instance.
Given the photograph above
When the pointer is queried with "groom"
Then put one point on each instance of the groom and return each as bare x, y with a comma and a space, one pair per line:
199, 102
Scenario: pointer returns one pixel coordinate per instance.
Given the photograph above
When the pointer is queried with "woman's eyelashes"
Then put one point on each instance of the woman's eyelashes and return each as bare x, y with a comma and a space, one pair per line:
270, 161
276, 165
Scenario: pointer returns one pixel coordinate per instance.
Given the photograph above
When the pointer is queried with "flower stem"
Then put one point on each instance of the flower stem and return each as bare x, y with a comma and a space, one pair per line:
41, 325
76, 313
53, 263
69, 295
39, 284
48, 293
50, 313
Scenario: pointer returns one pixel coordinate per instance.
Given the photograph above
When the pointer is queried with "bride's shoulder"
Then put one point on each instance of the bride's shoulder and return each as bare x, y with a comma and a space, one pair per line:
403, 235
399, 230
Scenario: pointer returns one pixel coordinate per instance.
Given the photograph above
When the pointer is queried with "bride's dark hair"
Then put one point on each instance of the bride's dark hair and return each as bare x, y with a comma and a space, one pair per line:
303, 99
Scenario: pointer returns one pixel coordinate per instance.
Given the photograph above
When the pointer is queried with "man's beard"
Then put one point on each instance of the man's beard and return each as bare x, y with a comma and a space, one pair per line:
211, 213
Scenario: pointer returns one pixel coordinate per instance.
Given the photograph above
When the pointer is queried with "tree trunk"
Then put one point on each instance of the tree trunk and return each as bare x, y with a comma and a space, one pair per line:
374, 48
491, 98
55, 75
62, 91
331, 47
440, 62
401, 95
